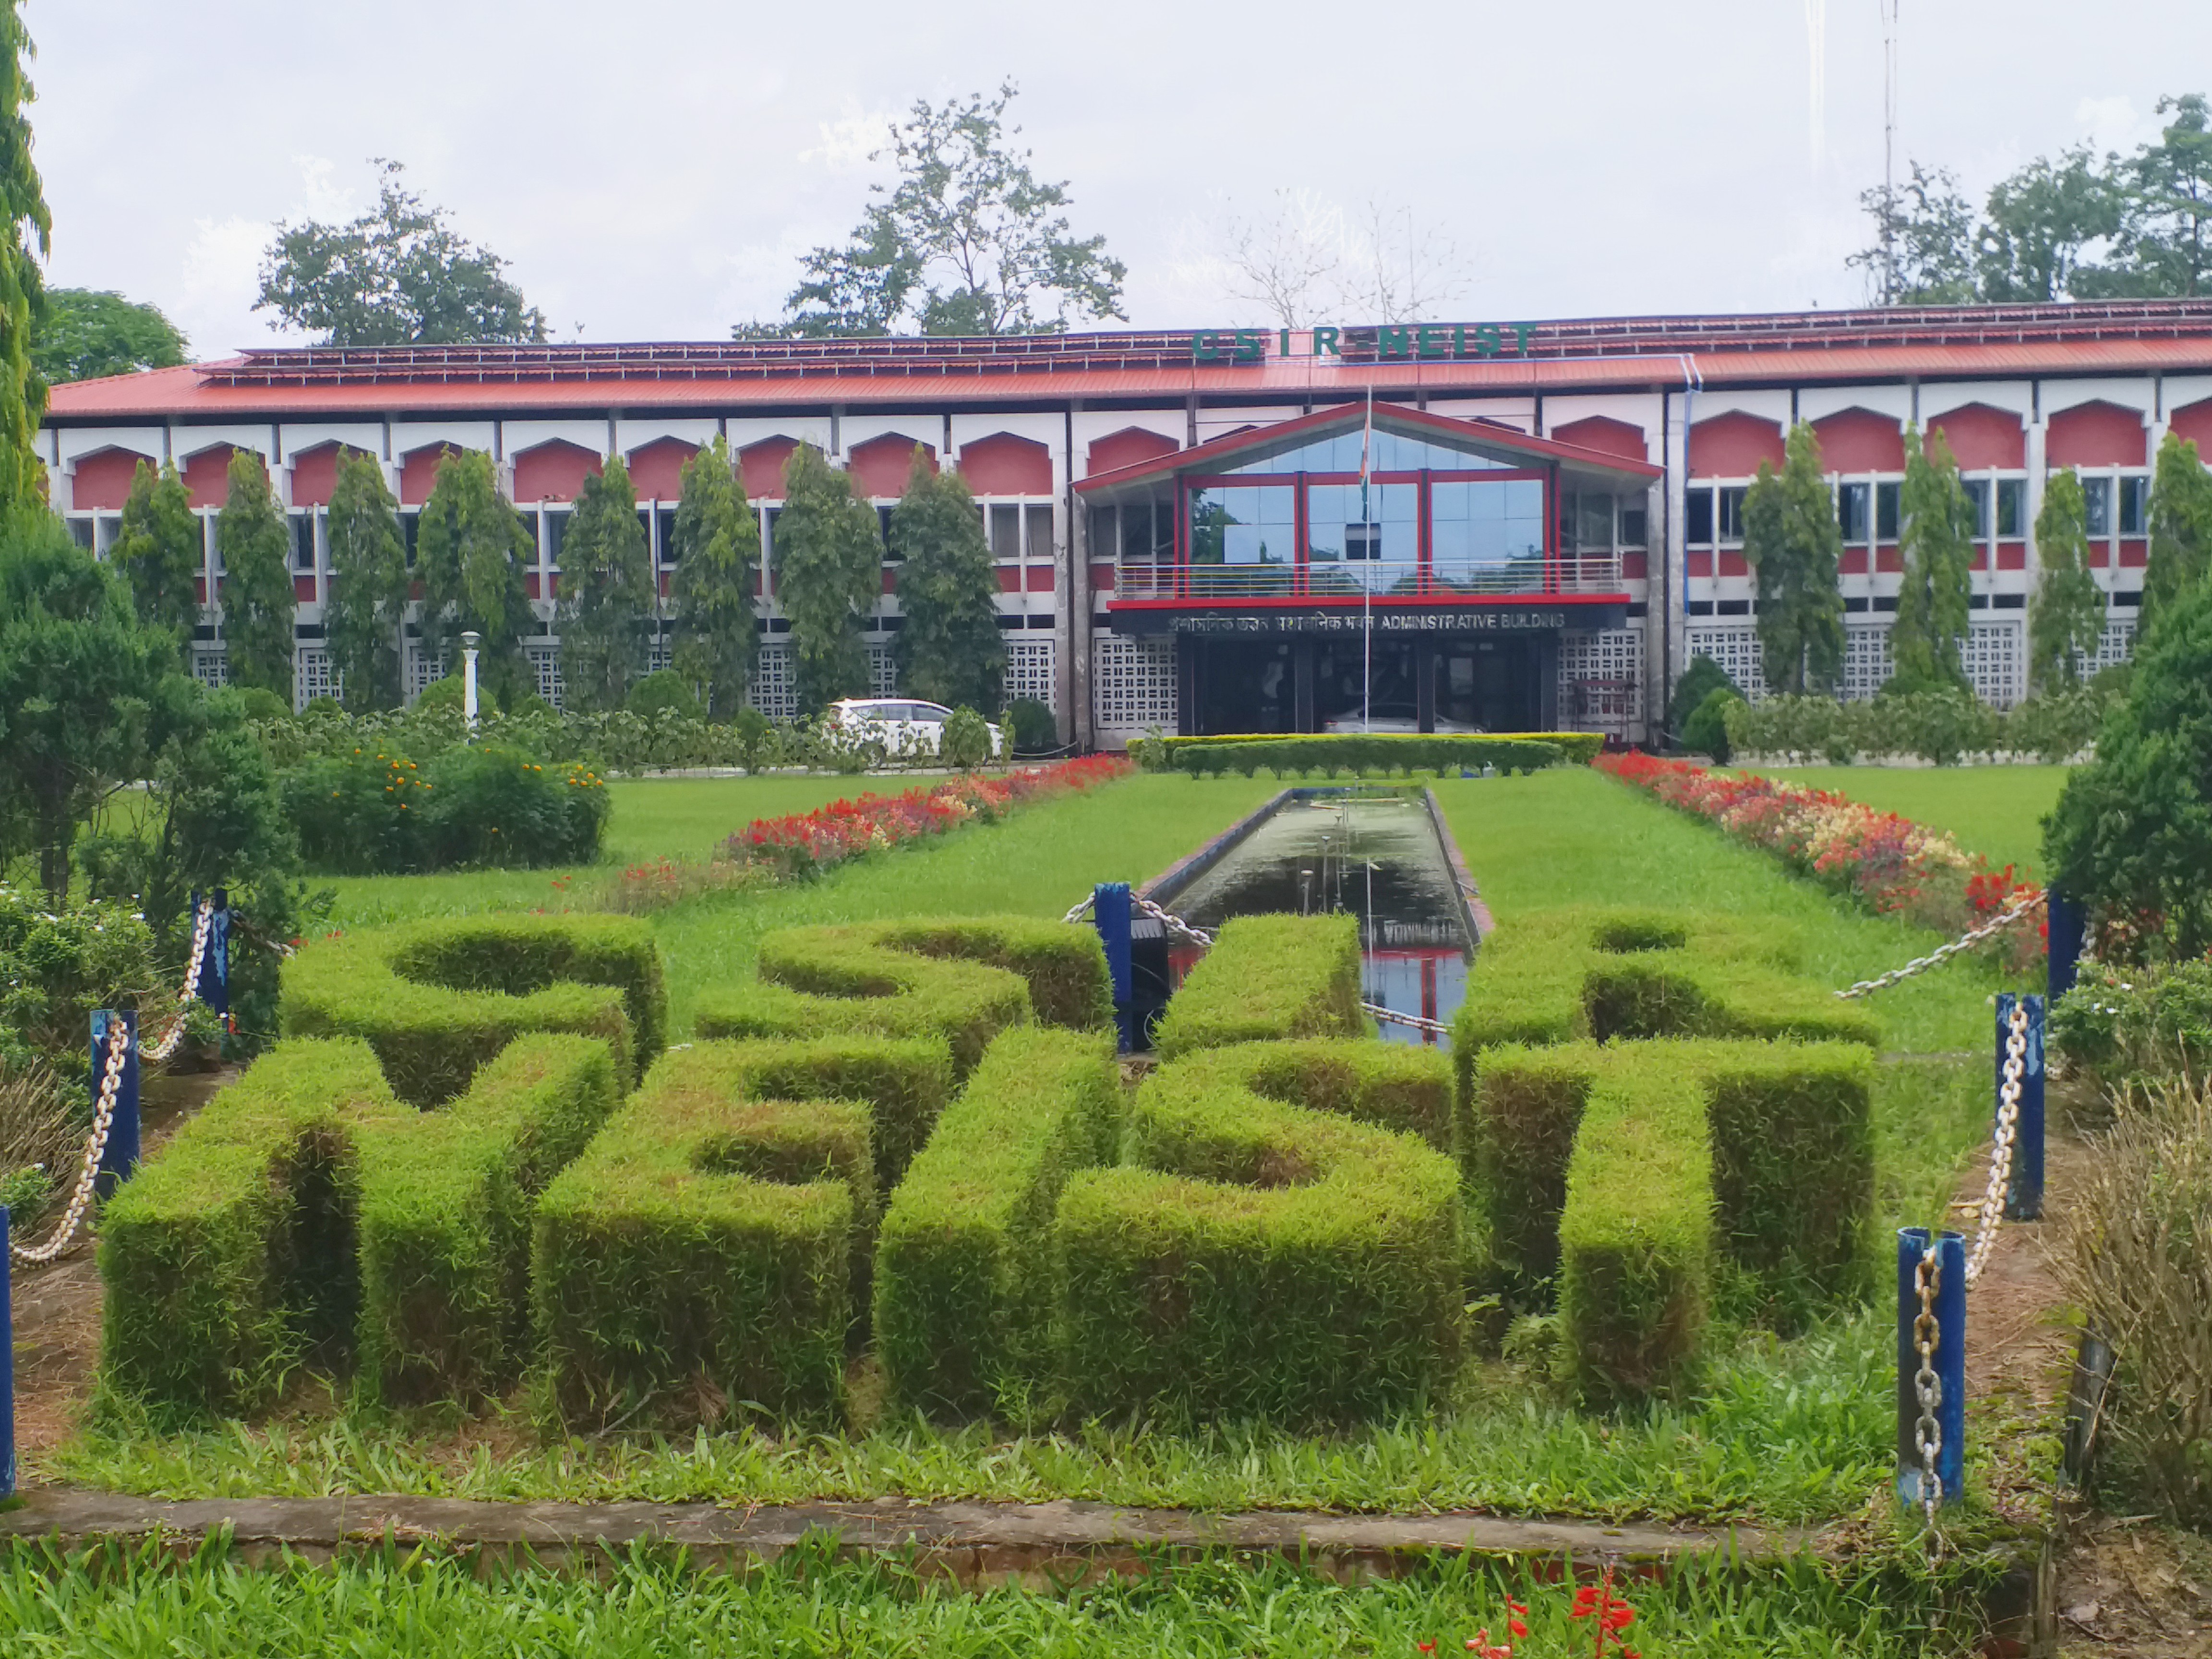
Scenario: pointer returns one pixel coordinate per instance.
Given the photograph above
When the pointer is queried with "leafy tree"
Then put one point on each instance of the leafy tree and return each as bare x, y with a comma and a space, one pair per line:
367, 608
718, 551
2180, 528
23, 206
2038, 224
970, 242
1932, 607
2165, 242
828, 564
1794, 545
949, 650
2132, 832
396, 275
606, 591
256, 545
2067, 620
1923, 253
83, 691
1699, 681
161, 549
470, 550
87, 332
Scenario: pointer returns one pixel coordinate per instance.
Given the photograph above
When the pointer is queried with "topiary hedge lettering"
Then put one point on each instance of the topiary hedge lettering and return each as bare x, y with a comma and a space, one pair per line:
1371, 756
1265, 979
437, 999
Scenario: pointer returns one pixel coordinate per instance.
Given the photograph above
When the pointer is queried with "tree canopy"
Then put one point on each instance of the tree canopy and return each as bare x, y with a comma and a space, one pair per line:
23, 203
606, 591
968, 241
2076, 225
717, 536
161, 550
949, 650
255, 543
369, 581
470, 548
1794, 545
828, 566
396, 275
83, 333
2180, 528
2067, 620
1934, 603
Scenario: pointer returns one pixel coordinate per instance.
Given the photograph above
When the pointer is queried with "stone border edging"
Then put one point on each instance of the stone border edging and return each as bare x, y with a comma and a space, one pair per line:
968, 1542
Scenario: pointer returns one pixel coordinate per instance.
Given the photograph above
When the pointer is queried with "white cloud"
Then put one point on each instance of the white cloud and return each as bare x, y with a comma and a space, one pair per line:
2116, 123
847, 141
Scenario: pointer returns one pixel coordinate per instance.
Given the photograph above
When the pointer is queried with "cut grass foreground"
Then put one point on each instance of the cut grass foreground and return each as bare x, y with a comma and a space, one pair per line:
1785, 1432
1994, 811
116, 1601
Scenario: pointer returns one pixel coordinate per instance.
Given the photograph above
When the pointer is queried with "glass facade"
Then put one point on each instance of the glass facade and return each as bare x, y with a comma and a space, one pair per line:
1386, 453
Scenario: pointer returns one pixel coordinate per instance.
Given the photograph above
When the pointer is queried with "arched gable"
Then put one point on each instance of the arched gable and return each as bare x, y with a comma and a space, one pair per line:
1860, 440
1983, 439
2095, 434
656, 469
760, 467
1732, 446
554, 471
315, 472
418, 471
881, 466
206, 475
101, 482
1127, 447
1606, 435
1003, 464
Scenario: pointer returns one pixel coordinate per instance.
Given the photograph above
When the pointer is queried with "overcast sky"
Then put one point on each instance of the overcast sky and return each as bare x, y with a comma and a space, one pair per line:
652, 170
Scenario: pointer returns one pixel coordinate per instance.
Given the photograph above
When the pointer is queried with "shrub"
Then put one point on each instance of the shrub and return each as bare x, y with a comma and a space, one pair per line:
1627, 1156
444, 1223
1699, 681
448, 694
437, 999
1263, 1258
1705, 730
1372, 755
700, 1256
376, 810
2139, 1227
1031, 727
964, 1297
663, 689
1268, 977
2057, 725
2129, 1023
58, 965
1578, 747
965, 741
959, 982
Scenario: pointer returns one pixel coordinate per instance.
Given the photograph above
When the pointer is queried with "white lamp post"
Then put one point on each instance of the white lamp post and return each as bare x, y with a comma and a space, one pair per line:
469, 641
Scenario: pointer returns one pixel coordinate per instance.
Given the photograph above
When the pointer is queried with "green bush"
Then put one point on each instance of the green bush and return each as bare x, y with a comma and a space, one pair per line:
437, 999
1699, 681
1705, 731
2137, 1024
56, 966
1662, 1163
964, 740
961, 981
447, 694
1578, 747
700, 1258
964, 1293
444, 1221
377, 811
664, 689
1268, 977
229, 1256
1378, 755
1031, 727
1262, 1258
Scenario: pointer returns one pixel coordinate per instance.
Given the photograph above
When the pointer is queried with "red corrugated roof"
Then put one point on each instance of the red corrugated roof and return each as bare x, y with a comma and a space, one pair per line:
1797, 348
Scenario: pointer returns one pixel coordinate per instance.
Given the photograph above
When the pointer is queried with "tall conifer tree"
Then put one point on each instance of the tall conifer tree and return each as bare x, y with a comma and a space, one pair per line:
606, 591
717, 554
2180, 528
2066, 622
1794, 545
369, 581
829, 565
949, 646
257, 603
23, 202
470, 551
161, 549
1934, 605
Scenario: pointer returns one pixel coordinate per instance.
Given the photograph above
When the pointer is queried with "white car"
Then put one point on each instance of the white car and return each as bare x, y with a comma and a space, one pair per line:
904, 726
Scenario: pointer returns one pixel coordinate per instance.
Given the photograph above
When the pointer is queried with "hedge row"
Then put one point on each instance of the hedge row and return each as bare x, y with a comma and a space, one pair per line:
962, 981
437, 999
1268, 978
1580, 747
1258, 1256
1366, 756
702, 1255
963, 1284
1684, 1158
307, 1213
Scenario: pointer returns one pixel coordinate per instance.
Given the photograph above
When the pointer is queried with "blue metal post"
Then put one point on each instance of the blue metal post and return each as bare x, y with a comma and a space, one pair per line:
7, 1371
1109, 913
1950, 1357
2068, 925
2024, 1193
120, 1156
215, 972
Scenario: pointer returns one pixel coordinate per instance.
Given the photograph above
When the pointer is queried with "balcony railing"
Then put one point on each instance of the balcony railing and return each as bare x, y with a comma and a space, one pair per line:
1353, 580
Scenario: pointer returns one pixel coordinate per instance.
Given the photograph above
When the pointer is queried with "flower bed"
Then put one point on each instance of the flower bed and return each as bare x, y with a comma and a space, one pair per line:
1889, 864
806, 843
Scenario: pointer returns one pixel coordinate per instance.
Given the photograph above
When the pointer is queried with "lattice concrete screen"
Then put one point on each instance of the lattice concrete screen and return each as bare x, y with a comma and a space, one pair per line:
1602, 680
1133, 684
1736, 651
1030, 666
774, 690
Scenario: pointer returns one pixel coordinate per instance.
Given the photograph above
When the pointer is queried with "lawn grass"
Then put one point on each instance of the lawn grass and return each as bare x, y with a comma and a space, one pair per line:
1995, 811
133, 1599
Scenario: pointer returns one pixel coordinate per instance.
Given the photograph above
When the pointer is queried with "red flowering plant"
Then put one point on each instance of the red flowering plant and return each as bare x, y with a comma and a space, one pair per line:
1610, 1615
1888, 863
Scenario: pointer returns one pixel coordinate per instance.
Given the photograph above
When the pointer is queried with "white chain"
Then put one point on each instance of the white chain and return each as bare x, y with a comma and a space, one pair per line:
118, 1048
201, 924
1927, 1387
1944, 952
1173, 923
1993, 1196
1394, 1016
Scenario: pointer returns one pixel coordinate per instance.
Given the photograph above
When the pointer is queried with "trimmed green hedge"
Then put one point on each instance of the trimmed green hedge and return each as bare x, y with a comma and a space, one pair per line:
1263, 1258
1268, 977
1667, 1163
1579, 747
964, 1290
701, 1257
963, 981
437, 999
444, 1227
1375, 754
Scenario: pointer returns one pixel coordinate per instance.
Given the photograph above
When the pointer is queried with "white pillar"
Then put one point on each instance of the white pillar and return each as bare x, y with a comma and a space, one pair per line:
469, 677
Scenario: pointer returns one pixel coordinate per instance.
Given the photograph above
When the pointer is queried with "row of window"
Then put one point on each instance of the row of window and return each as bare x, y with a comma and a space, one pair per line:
1868, 512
